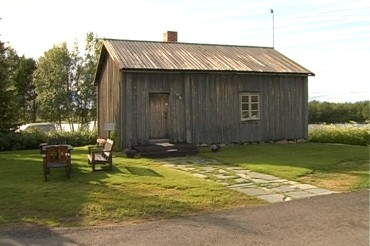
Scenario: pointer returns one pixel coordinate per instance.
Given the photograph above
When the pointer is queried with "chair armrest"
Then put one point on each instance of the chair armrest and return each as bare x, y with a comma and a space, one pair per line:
95, 148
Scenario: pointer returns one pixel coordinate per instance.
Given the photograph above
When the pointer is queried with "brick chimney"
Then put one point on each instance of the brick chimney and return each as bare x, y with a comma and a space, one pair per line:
170, 36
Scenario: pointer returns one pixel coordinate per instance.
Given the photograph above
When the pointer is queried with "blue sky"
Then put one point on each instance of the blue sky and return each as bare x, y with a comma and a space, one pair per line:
330, 38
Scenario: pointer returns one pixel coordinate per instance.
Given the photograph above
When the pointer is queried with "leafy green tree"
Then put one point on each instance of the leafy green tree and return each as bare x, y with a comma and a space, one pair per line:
85, 89
8, 107
64, 82
25, 89
82, 72
327, 112
53, 81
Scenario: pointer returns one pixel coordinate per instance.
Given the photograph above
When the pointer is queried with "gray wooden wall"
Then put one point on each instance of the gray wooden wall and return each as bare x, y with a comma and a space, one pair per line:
204, 107
109, 99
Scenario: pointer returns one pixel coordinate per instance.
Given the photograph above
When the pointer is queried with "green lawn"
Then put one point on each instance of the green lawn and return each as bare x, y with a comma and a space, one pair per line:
332, 166
137, 189
142, 189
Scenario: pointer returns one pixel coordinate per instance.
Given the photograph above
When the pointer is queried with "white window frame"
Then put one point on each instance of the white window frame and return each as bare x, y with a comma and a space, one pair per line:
249, 106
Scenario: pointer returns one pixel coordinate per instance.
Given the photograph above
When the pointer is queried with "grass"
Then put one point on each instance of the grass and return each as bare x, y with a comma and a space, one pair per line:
137, 189
331, 166
142, 189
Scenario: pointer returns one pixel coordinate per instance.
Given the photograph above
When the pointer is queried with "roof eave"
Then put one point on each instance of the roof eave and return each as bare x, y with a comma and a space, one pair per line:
308, 73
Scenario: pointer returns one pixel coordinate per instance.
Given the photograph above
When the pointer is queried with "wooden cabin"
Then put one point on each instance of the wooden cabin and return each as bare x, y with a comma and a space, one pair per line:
199, 93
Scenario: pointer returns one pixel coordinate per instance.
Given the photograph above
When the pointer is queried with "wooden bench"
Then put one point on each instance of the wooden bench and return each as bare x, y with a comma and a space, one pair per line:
101, 155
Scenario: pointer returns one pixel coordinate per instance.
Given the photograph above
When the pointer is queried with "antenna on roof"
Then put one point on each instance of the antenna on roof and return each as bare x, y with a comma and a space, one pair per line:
273, 28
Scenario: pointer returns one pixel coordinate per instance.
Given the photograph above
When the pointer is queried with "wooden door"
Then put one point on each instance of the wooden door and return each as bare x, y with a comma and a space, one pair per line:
158, 115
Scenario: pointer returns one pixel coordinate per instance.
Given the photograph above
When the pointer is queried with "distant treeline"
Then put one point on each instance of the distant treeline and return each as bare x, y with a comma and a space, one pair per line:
320, 112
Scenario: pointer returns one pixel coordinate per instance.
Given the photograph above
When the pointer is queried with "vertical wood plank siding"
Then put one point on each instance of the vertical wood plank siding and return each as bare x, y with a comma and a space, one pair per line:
204, 107
109, 98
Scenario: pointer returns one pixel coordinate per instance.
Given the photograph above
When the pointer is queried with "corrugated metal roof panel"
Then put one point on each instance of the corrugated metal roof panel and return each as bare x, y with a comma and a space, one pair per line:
150, 55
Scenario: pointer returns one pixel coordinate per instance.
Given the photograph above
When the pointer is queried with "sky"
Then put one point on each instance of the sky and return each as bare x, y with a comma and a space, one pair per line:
329, 37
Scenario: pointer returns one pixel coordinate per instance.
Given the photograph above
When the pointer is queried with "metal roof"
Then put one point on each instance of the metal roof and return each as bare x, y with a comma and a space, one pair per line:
151, 55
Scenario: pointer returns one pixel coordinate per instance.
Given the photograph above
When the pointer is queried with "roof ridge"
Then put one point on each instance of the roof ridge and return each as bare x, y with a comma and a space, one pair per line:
186, 43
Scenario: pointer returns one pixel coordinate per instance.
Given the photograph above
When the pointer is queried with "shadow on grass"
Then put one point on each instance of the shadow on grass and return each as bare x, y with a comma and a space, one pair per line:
140, 171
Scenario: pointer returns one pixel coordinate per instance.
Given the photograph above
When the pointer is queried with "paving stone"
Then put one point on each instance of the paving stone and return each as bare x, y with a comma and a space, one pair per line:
319, 191
208, 169
261, 176
169, 165
280, 181
253, 191
298, 194
188, 168
291, 182
264, 186
283, 188
242, 175
259, 181
221, 176
244, 185
272, 198
237, 169
240, 180
303, 186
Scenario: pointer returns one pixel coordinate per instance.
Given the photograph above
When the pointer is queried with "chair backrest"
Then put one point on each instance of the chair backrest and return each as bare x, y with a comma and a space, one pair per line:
51, 154
108, 146
56, 141
56, 154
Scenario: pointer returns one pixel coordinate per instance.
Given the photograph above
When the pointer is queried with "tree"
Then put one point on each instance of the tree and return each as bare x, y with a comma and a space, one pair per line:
86, 91
53, 81
8, 114
338, 112
25, 89
64, 83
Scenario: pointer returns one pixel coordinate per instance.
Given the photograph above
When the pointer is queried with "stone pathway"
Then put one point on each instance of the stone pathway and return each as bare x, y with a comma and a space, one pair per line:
269, 188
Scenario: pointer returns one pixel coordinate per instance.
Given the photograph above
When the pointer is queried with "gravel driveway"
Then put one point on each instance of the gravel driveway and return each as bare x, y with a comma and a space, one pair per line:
336, 219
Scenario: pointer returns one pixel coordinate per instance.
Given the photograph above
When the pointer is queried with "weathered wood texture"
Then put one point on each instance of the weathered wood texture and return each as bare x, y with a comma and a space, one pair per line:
109, 98
204, 107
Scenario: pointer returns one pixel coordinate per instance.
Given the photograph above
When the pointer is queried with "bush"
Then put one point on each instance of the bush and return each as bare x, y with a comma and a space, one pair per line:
33, 139
342, 134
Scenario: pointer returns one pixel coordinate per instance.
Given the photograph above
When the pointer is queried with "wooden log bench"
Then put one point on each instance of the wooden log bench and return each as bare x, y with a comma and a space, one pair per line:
101, 155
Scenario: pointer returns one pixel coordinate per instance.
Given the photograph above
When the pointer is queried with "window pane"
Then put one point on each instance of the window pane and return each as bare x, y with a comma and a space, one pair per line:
255, 115
245, 106
245, 115
254, 106
245, 99
254, 98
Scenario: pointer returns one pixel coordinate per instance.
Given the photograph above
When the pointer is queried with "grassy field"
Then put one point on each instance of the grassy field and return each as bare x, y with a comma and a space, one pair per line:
142, 189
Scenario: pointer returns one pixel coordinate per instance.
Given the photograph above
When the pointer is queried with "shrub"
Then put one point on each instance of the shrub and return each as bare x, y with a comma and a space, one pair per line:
33, 139
342, 134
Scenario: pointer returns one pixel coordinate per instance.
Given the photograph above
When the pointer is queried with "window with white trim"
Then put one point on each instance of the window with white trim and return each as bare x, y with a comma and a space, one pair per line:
249, 106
